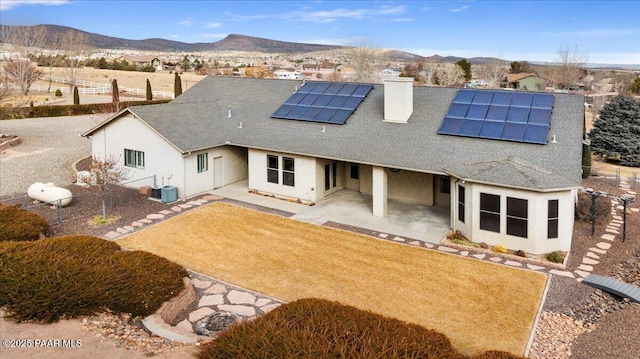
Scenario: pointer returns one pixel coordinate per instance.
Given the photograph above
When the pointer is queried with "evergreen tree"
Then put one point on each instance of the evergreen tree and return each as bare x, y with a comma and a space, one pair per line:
466, 67
76, 96
177, 86
149, 93
115, 94
617, 131
635, 86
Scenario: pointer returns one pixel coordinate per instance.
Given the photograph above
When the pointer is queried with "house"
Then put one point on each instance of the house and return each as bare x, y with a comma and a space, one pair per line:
389, 141
149, 60
526, 81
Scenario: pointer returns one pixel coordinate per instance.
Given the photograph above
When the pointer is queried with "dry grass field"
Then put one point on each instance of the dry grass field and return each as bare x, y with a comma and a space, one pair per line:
160, 81
479, 306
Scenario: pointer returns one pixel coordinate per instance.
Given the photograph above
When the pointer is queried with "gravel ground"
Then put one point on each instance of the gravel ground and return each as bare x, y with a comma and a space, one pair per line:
49, 148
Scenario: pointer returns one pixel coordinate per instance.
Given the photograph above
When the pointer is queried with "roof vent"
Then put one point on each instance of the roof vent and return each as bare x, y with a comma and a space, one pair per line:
229, 112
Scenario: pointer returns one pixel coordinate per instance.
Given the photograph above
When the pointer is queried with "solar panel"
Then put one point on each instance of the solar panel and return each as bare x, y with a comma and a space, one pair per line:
324, 102
307, 87
464, 96
450, 126
491, 129
522, 99
540, 116
513, 131
483, 97
518, 114
470, 128
536, 134
458, 110
502, 98
478, 112
362, 90
499, 115
542, 100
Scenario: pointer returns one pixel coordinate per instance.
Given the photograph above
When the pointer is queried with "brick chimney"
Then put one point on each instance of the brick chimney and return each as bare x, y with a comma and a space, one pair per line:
398, 99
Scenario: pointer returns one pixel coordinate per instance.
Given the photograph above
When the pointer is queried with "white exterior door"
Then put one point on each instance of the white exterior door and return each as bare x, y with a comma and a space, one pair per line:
217, 172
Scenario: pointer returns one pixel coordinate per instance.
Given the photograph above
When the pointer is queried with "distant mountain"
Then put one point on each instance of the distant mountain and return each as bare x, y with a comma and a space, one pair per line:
232, 42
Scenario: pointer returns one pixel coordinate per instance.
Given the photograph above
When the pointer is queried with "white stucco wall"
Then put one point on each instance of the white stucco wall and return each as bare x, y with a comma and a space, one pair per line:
234, 168
536, 241
406, 186
306, 177
161, 158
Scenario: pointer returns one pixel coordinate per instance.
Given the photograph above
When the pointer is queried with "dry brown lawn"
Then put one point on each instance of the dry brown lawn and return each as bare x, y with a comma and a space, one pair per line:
478, 305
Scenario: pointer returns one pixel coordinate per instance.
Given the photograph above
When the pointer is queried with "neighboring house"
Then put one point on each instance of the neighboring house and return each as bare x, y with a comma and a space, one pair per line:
143, 61
526, 81
401, 142
289, 75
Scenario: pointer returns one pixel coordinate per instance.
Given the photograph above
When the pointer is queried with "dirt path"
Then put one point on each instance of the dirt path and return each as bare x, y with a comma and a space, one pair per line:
88, 344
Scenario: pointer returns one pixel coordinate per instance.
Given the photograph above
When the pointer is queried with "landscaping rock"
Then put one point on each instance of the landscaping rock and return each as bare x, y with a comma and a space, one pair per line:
214, 323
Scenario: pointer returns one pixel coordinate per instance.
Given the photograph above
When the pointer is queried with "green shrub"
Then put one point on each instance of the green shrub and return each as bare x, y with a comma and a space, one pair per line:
17, 224
315, 328
64, 277
555, 257
58, 93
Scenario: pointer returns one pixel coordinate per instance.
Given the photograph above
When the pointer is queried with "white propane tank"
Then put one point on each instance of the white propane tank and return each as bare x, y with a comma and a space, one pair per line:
49, 193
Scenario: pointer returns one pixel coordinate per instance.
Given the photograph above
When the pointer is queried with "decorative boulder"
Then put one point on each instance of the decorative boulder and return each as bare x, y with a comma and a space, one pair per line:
214, 323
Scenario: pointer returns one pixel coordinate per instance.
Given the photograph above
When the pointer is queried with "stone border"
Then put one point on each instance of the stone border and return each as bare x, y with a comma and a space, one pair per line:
536, 322
6, 145
156, 323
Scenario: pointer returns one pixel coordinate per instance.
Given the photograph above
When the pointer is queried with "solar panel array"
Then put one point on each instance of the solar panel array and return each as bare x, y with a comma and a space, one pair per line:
323, 102
499, 115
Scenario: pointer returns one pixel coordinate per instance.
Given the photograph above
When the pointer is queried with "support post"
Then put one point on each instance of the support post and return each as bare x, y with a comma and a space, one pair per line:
379, 176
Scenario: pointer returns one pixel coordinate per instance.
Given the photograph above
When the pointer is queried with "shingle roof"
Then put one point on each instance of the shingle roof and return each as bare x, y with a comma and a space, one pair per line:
197, 120
510, 172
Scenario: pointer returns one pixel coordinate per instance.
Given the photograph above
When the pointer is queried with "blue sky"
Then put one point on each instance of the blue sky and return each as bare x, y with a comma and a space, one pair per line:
605, 31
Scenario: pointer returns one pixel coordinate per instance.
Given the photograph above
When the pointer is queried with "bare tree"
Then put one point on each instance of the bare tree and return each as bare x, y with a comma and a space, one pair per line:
569, 64
52, 59
494, 72
335, 76
73, 43
23, 73
28, 39
367, 62
449, 74
104, 172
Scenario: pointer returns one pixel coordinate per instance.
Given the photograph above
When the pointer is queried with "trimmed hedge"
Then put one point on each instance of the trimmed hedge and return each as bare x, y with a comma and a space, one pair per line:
12, 113
17, 224
316, 328
64, 277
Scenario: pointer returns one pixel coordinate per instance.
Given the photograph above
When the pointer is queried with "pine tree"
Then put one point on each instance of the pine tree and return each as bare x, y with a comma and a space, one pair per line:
177, 86
466, 67
76, 96
617, 132
149, 93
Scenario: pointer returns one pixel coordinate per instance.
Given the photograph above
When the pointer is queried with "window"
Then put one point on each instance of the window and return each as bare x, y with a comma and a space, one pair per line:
552, 221
288, 175
490, 212
134, 158
445, 185
355, 171
517, 217
272, 169
461, 200
203, 162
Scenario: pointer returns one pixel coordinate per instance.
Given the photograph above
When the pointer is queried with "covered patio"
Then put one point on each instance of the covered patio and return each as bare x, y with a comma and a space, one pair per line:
426, 223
